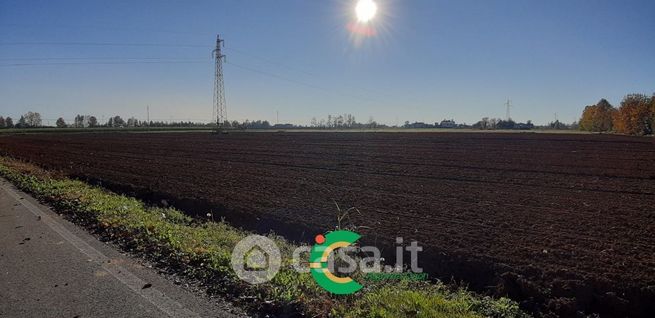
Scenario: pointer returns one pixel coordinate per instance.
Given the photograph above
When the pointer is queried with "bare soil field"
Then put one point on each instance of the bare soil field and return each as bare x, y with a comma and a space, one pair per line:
562, 223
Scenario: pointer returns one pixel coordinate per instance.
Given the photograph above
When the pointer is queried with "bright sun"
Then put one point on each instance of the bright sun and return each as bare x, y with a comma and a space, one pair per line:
365, 10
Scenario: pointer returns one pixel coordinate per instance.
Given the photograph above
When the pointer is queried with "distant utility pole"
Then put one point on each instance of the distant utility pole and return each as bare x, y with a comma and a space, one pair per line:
148, 114
508, 105
220, 111
277, 117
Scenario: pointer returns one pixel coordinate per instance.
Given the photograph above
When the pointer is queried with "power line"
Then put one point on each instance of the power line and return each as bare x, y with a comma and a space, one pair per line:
93, 58
158, 60
294, 81
100, 63
100, 27
101, 44
298, 70
118, 44
268, 60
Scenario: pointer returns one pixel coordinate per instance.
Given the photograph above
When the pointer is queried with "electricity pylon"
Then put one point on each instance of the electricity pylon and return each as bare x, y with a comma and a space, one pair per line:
220, 110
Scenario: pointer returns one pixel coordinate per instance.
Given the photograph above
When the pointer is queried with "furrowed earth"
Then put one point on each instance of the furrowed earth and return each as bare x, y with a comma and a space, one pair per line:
561, 223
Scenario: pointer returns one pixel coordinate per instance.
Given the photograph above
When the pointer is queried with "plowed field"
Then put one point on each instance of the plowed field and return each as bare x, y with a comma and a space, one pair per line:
560, 222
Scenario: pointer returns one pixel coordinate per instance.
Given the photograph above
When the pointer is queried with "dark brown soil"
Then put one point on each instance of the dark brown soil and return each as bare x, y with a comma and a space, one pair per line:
562, 223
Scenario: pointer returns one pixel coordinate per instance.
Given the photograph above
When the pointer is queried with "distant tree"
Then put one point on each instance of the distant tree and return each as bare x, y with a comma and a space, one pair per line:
61, 123
131, 122
93, 121
557, 125
9, 122
485, 123
604, 114
338, 121
371, 123
635, 116
505, 124
575, 125
32, 119
3, 124
78, 122
117, 121
598, 117
350, 120
587, 119
21, 122
652, 112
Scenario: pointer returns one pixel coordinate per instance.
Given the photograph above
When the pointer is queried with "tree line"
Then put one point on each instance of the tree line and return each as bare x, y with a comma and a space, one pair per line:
28, 120
345, 121
635, 116
33, 120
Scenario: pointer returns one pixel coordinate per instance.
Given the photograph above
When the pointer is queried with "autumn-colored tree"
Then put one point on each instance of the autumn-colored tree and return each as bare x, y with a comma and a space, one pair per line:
598, 117
587, 119
635, 116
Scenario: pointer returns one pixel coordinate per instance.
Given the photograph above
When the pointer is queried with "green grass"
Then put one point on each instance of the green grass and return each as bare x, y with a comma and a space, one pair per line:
203, 250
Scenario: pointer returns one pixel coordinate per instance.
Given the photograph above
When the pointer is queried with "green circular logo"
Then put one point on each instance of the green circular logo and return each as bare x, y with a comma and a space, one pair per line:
318, 262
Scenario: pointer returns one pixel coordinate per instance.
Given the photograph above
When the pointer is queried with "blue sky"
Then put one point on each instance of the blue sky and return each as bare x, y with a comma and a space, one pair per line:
429, 60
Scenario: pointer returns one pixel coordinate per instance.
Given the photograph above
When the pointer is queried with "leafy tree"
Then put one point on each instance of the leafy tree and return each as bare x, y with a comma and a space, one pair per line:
9, 122
587, 119
132, 122
32, 119
486, 123
22, 123
557, 125
78, 122
634, 117
505, 124
652, 113
118, 121
598, 117
2, 122
93, 121
61, 123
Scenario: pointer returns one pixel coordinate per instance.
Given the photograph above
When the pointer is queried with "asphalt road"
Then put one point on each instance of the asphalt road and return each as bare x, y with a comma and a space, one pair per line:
51, 268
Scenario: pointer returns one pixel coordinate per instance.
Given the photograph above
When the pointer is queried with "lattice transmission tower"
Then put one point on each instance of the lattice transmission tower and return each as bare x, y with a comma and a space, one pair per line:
220, 108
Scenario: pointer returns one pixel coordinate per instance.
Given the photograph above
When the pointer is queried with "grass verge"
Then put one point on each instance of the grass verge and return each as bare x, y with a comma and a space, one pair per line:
202, 250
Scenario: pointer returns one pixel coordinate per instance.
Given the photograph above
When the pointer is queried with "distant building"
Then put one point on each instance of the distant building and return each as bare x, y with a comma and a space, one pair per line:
522, 126
418, 124
447, 124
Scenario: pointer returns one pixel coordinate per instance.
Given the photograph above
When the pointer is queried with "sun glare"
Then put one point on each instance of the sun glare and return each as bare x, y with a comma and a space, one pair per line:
365, 10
